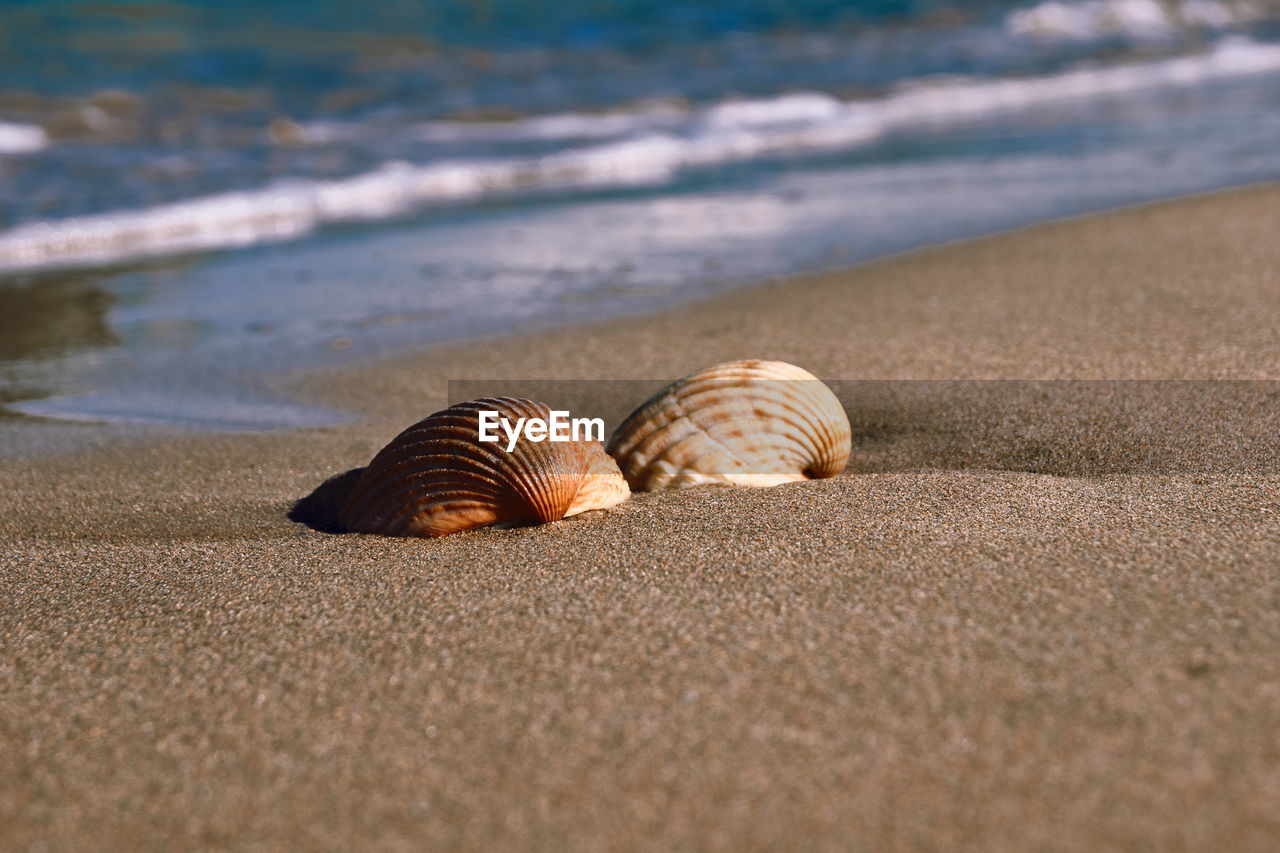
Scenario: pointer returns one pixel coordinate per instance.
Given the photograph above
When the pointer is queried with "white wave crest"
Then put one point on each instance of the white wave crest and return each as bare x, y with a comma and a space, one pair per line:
1140, 20
1233, 57
21, 138
802, 107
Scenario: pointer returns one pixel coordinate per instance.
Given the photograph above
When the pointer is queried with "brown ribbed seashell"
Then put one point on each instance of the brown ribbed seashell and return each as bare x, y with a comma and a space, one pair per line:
437, 477
750, 423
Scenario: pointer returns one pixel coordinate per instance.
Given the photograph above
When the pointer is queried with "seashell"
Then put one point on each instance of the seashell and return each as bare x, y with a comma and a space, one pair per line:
750, 423
437, 477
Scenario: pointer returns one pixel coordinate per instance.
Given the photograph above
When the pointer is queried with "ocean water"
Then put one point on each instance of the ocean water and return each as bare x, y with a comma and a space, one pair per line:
198, 196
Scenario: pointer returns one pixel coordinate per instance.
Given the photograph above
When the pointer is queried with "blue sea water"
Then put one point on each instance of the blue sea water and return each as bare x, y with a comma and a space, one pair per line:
226, 189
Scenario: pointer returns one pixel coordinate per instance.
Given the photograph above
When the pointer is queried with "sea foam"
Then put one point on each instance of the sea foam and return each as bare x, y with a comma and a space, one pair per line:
21, 138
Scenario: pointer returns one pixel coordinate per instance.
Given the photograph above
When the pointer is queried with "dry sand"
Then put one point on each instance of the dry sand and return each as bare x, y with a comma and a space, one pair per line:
1030, 616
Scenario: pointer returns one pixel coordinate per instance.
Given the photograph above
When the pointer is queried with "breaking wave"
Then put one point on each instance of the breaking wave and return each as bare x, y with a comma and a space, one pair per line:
646, 147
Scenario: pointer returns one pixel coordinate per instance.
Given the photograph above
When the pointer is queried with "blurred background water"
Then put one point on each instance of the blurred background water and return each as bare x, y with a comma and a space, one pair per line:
194, 195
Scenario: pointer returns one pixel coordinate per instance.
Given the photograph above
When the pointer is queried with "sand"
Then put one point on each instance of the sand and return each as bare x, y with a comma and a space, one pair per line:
1031, 615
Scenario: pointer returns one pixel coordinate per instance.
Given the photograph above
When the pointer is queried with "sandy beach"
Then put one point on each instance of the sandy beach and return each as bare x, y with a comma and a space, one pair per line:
1033, 614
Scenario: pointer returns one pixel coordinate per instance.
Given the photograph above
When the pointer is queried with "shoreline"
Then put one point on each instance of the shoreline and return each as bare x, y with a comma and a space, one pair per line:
548, 354
153, 384
1023, 618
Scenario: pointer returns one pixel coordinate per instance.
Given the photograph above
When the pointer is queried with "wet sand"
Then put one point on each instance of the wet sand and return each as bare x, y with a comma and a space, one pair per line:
1031, 615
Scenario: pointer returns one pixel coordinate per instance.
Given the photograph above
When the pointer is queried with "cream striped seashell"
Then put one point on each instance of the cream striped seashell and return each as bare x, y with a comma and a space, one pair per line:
437, 477
750, 423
